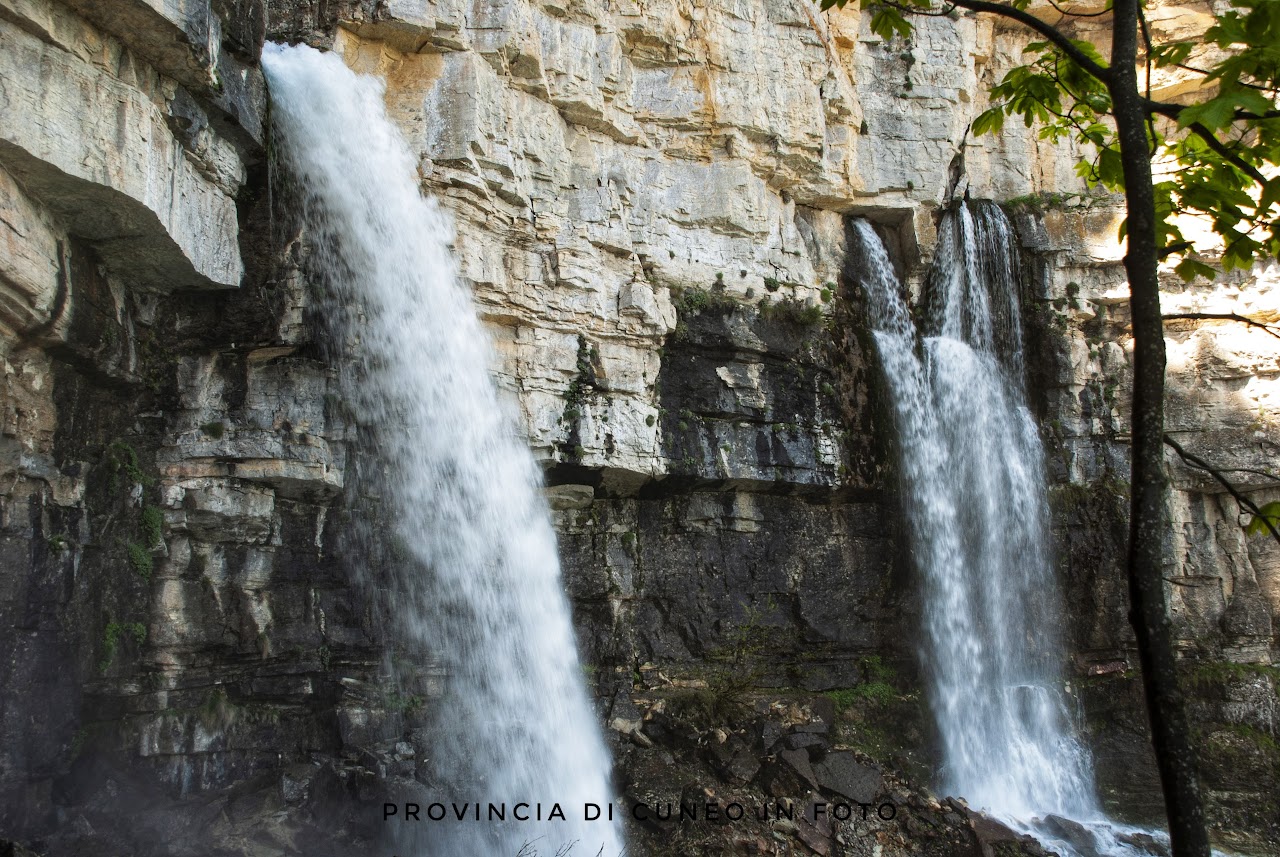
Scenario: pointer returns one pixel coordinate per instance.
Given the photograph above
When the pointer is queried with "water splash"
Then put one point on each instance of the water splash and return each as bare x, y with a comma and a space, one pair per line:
975, 495
479, 585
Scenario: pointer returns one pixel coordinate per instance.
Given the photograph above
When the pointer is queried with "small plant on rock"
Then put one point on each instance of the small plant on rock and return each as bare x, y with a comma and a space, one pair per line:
122, 460
876, 685
736, 668
152, 526
140, 560
111, 639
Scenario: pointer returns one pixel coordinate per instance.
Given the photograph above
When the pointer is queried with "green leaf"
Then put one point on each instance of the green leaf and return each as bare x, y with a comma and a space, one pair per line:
1213, 114
1252, 100
887, 22
1111, 168
1270, 194
1189, 269
989, 121
1171, 54
1089, 50
1270, 512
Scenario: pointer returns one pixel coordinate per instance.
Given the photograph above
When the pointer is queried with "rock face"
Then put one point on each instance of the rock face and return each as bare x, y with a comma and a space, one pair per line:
650, 202
1222, 583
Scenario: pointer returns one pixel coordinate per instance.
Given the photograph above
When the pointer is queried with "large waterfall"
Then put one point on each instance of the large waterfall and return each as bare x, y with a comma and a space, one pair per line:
479, 582
975, 492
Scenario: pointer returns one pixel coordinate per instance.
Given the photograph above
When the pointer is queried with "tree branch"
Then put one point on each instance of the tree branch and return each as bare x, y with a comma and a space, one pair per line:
1146, 38
1053, 34
1065, 12
1265, 474
930, 12
1259, 117
1245, 83
1200, 464
1222, 316
1227, 155
1164, 108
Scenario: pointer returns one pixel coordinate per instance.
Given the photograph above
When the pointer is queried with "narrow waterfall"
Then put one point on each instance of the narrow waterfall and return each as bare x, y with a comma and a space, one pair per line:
479, 587
976, 502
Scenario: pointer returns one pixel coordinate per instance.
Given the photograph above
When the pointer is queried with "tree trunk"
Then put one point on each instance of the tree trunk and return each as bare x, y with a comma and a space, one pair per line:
1149, 612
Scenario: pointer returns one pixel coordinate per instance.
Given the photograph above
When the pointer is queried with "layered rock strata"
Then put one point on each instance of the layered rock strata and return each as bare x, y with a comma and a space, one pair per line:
650, 202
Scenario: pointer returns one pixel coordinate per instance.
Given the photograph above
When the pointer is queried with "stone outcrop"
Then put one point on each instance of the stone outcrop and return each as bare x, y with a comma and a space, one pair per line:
650, 202
114, 150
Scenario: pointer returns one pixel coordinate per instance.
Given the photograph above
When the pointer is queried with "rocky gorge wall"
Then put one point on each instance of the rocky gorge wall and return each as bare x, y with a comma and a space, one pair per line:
650, 203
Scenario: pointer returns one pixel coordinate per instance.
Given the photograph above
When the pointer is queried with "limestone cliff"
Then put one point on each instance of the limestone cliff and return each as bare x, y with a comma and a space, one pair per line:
650, 201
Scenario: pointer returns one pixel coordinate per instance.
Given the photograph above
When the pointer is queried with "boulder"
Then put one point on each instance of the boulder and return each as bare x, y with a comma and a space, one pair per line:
788, 774
840, 773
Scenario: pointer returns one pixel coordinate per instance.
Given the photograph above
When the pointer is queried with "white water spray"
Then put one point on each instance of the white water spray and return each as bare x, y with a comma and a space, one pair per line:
974, 486
479, 586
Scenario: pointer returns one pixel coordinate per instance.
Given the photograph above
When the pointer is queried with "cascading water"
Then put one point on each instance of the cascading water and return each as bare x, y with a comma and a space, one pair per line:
480, 585
972, 472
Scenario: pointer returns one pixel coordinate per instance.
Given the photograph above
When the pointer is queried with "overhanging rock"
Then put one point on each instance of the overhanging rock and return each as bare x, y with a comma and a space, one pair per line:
97, 151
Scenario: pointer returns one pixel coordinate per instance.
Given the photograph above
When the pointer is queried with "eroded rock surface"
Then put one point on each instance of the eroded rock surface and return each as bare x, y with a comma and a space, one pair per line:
650, 201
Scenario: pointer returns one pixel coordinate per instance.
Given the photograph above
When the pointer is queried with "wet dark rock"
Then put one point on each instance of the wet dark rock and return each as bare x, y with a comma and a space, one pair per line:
840, 773
742, 768
994, 838
734, 760
622, 706
1146, 843
822, 710
788, 773
771, 732
812, 743
295, 783
1075, 834
817, 834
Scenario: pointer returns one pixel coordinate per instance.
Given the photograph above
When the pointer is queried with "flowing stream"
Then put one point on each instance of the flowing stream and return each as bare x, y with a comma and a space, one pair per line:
976, 499
479, 583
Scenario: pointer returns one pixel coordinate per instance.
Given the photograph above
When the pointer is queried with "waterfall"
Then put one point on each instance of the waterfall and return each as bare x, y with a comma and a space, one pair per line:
975, 496
478, 579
